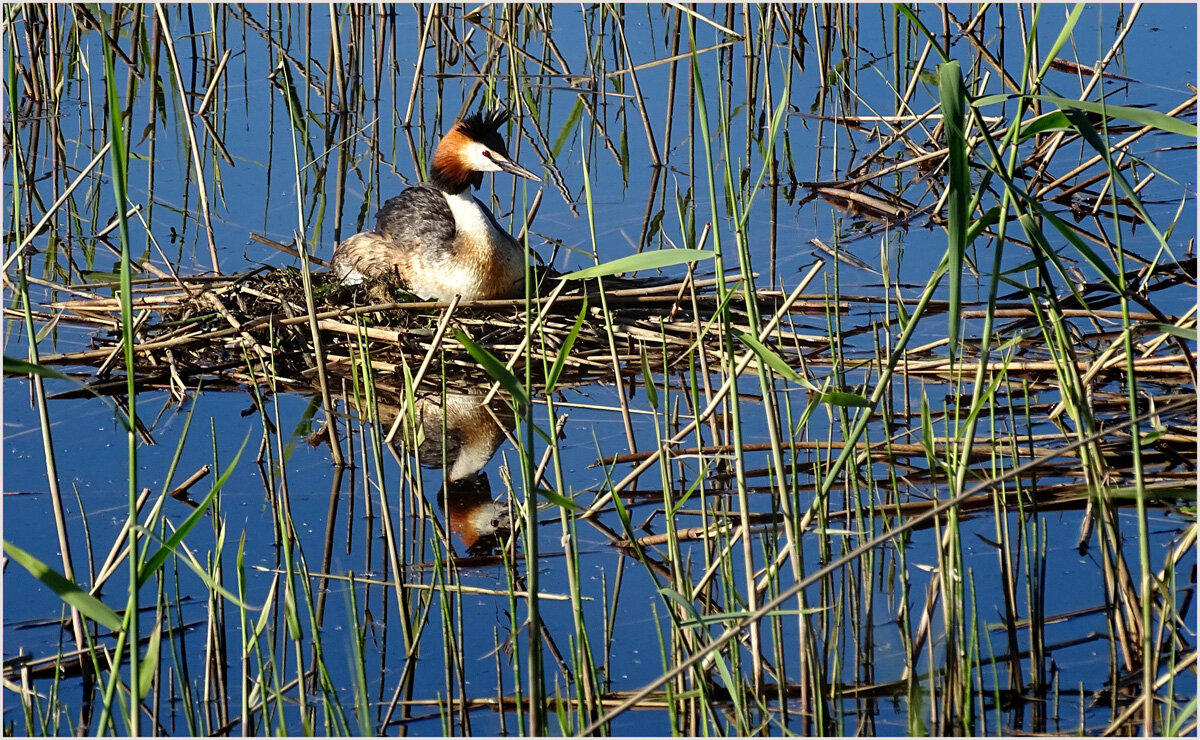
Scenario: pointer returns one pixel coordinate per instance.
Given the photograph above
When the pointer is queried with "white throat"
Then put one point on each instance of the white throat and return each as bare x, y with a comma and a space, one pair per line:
470, 219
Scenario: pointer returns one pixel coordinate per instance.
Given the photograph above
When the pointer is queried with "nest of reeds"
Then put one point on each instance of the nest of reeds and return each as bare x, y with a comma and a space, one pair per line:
261, 326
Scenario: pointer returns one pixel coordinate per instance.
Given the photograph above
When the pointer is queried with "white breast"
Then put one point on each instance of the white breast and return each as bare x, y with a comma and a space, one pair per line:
484, 262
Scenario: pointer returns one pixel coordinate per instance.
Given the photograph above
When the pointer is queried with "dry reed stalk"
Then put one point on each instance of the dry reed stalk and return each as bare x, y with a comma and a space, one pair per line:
516, 355
877, 450
169, 43
251, 342
439, 333
1122, 144
212, 90
1117, 47
119, 551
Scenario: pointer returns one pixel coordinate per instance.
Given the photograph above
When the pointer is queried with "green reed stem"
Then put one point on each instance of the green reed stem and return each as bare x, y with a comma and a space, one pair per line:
120, 179
1147, 583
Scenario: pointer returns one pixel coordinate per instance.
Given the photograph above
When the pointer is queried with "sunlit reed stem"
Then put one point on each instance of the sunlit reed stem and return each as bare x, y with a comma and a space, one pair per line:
119, 160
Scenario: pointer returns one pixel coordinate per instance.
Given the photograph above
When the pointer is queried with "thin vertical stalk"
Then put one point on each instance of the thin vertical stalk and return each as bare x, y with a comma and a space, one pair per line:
751, 595
119, 174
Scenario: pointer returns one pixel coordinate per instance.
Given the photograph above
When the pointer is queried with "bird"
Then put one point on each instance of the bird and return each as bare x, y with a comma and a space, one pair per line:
436, 239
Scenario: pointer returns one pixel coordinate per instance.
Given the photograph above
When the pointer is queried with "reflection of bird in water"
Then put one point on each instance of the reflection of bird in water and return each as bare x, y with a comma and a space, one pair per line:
481, 523
460, 432
438, 240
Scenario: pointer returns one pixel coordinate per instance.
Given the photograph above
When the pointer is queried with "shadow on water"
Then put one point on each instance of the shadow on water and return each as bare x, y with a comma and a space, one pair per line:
906, 445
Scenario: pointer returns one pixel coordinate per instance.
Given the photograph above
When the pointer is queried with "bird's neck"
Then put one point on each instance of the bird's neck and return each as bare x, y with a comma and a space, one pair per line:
454, 180
447, 172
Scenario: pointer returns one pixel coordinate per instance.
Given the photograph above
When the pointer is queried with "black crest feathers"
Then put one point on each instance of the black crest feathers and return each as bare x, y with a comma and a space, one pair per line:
482, 126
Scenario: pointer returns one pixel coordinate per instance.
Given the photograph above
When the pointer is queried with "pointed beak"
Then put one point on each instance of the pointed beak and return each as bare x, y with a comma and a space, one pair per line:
510, 166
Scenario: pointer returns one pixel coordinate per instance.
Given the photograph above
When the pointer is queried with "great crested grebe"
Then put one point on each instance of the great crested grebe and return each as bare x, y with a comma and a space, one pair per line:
436, 238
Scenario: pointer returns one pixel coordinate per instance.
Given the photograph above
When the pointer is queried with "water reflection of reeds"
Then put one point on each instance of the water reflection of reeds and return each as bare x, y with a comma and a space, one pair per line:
822, 512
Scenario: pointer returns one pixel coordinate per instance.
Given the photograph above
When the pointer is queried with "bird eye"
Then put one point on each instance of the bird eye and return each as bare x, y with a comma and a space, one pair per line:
487, 154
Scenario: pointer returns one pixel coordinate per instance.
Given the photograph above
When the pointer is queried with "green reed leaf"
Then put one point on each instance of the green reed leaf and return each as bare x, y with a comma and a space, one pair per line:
1140, 116
1157, 327
160, 556
776, 363
643, 261
493, 367
958, 206
843, 398
648, 380
150, 662
88, 605
571, 124
563, 353
558, 499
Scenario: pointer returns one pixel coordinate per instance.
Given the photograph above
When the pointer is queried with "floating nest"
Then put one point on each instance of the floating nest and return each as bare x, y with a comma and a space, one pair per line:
272, 328
260, 326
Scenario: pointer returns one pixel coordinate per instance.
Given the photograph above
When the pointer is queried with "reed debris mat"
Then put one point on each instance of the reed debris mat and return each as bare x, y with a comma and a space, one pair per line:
258, 326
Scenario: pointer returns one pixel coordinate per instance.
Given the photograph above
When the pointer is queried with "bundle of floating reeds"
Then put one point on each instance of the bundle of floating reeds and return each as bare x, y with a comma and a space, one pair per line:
220, 329
210, 328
